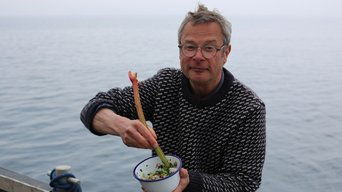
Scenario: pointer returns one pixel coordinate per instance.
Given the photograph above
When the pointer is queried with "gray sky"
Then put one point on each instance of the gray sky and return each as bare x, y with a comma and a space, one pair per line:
330, 8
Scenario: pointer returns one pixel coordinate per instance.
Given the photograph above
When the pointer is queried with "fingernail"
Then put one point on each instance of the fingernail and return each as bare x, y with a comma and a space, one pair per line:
155, 145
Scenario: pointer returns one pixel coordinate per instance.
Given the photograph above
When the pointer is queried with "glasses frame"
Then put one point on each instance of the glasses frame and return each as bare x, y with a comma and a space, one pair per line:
180, 46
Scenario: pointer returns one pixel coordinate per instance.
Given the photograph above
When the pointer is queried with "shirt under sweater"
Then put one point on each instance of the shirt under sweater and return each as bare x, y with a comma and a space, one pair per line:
221, 140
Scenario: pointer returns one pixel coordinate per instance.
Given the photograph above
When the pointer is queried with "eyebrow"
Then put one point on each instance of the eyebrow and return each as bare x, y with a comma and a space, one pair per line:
205, 43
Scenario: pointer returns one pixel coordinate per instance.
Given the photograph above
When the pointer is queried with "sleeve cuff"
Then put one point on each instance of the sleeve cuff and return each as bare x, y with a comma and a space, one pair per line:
88, 117
196, 182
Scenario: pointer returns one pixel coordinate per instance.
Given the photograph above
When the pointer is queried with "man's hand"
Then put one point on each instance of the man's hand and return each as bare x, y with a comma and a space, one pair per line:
132, 132
184, 180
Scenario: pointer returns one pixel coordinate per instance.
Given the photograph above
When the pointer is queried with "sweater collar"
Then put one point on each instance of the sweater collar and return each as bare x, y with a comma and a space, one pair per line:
214, 97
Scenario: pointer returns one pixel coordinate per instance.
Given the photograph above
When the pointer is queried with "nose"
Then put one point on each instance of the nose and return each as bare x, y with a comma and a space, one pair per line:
198, 55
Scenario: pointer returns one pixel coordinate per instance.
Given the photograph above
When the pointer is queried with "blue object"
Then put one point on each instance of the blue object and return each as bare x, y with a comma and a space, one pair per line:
59, 182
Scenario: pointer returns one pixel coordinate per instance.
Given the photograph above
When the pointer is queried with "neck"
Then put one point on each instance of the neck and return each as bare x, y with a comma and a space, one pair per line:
204, 89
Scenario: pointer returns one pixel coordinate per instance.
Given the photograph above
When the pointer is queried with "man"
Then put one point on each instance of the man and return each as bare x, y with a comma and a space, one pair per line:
200, 113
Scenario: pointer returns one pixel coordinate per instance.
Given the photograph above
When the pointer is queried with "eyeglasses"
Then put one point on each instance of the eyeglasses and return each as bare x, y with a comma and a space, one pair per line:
208, 51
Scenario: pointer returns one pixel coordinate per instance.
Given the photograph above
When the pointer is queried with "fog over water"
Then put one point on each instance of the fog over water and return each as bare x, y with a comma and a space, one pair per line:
326, 8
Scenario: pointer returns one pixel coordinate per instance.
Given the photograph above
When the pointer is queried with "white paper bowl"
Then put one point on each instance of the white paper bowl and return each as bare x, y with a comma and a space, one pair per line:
148, 165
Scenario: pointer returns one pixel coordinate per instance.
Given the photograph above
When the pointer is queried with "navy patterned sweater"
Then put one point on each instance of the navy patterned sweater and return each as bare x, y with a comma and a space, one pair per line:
221, 139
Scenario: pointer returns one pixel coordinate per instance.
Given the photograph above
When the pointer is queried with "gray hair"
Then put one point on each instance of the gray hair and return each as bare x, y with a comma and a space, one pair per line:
203, 15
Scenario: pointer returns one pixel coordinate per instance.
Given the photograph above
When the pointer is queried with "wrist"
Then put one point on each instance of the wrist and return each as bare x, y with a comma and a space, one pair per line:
105, 122
115, 125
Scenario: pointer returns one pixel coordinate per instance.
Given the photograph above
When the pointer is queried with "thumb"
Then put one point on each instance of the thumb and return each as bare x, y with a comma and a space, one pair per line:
184, 173
153, 132
149, 125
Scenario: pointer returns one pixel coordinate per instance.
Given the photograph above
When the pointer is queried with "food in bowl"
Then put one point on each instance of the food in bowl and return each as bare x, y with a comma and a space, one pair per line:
160, 172
153, 176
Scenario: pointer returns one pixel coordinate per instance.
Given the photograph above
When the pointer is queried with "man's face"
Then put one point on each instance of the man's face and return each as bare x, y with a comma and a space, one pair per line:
198, 69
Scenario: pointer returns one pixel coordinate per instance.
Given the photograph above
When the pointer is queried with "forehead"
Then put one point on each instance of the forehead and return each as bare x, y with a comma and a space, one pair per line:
202, 33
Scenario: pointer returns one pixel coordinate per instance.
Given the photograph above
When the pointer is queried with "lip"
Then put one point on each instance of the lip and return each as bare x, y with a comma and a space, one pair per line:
198, 69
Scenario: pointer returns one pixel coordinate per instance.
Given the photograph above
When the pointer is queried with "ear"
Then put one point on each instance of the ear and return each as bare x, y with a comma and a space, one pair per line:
226, 52
180, 54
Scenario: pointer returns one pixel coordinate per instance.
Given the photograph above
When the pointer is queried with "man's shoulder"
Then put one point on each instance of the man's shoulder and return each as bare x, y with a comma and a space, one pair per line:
169, 71
169, 74
246, 95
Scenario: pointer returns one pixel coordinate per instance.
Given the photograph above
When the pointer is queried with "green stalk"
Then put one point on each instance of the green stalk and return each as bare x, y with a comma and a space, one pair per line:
163, 158
134, 80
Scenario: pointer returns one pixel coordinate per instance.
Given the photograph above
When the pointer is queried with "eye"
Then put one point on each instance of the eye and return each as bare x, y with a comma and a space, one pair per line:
190, 47
209, 48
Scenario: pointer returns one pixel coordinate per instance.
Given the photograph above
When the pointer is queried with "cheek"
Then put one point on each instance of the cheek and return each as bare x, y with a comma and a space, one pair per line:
183, 62
216, 65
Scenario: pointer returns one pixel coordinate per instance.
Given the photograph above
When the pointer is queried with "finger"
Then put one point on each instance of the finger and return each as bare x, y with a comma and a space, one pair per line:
184, 173
144, 190
153, 132
132, 138
184, 180
139, 140
133, 143
150, 127
145, 132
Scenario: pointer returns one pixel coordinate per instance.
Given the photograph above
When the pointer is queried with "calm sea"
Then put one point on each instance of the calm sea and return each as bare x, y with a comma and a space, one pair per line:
51, 66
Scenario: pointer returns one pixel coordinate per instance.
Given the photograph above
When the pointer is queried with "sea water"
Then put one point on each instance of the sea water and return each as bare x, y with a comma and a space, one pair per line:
51, 66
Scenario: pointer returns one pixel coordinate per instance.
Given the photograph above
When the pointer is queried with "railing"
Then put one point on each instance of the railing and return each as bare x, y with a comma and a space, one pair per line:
14, 182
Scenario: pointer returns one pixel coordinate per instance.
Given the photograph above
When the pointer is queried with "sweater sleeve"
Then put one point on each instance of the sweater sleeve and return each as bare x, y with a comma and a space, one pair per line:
243, 159
121, 101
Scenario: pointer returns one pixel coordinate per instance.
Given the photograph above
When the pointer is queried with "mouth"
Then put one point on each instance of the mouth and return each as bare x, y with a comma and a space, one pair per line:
198, 69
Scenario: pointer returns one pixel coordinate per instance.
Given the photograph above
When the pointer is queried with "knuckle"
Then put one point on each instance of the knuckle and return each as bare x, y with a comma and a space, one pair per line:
125, 139
125, 142
136, 122
130, 131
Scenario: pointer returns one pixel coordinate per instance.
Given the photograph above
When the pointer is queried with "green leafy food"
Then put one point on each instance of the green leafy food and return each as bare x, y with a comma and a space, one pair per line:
161, 171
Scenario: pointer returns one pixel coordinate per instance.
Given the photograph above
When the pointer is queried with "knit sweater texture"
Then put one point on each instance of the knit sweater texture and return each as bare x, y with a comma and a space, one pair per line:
221, 139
